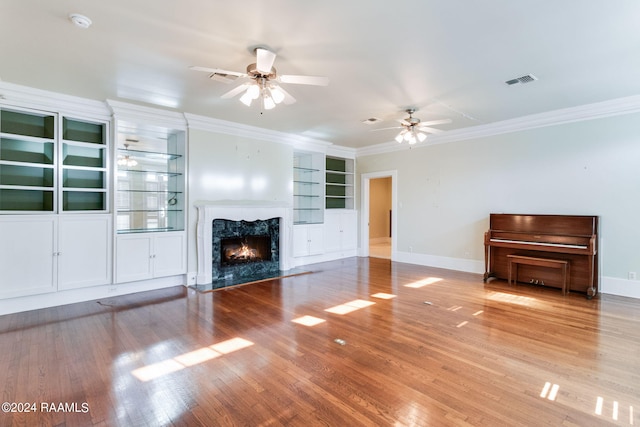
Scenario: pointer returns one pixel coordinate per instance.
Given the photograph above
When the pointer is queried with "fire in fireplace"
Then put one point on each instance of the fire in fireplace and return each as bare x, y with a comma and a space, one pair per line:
245, 249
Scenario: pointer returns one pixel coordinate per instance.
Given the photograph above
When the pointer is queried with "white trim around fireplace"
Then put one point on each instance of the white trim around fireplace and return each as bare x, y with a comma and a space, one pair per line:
239, 211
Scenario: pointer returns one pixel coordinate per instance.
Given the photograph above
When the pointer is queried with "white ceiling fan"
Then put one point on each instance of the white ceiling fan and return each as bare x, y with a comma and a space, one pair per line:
413, 129
261, 81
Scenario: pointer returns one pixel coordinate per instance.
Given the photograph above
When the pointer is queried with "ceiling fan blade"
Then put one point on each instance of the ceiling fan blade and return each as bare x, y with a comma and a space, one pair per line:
288, 99
435, 122
429, 130
265, 59
236, 90
217, 71
395, 127
404, 122
305, 80
223, 78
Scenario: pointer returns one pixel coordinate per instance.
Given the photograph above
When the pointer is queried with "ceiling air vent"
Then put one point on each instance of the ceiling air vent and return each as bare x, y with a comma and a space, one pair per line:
371, 120
522, 80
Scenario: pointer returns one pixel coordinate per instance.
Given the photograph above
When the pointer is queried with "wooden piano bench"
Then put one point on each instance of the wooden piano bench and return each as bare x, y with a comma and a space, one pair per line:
561, 264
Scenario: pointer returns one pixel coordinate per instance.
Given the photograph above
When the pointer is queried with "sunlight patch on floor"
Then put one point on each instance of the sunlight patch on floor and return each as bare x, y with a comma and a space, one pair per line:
382, 295
197, 356
308, 320
156, 370
423, 282
549, 391
513, 299
350, 306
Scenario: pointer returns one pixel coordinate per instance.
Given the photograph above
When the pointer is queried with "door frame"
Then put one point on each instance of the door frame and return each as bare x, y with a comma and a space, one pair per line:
364, 211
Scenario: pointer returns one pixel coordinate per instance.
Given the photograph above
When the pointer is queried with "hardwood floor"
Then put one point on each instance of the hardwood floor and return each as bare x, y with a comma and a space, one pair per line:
394, 344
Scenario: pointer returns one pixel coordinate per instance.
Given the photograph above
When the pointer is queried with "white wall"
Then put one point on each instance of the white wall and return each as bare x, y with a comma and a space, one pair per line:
446, 192
226, 167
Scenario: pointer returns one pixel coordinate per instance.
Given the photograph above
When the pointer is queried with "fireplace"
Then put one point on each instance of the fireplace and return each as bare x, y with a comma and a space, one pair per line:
243, 250
238, 219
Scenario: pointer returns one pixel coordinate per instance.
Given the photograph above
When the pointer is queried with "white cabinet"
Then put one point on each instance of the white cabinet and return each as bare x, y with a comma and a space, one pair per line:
27, 256
341, 232
308, 240
149, 255
84, 251
40, 254
169, 254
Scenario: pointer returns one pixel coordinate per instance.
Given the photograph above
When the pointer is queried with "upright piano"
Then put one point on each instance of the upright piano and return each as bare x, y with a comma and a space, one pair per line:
573, 238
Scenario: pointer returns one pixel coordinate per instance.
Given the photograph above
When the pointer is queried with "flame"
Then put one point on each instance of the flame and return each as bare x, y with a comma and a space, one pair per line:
244, 252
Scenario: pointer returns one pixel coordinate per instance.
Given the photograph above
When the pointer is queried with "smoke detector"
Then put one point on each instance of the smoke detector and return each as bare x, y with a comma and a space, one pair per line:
80, 20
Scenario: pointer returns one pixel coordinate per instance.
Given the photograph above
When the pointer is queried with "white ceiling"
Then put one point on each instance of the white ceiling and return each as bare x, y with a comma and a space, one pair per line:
447, 58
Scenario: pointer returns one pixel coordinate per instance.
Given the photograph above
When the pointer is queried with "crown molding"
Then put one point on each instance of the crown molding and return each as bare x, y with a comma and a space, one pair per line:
597, 110
68, 105
210, 124
341, 151
147, 115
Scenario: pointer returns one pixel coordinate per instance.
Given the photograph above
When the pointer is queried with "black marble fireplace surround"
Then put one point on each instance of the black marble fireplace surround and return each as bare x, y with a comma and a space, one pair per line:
265, 259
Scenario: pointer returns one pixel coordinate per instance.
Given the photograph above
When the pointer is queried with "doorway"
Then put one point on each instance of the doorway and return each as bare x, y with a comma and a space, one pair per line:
380, 216
379, 207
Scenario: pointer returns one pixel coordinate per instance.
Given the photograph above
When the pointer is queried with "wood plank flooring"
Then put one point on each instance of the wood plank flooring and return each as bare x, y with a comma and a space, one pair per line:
358, 342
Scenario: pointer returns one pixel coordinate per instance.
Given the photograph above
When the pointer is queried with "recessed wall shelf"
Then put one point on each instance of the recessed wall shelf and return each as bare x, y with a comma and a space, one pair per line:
339, 183
150, 179
307, 188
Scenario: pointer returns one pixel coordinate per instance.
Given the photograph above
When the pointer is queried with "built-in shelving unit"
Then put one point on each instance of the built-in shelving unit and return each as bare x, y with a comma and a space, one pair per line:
308, 188
150, 179
339, 183
84, 165
40, 174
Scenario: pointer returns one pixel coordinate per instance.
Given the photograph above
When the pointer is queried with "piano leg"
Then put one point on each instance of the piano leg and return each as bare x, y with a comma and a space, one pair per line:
486, 259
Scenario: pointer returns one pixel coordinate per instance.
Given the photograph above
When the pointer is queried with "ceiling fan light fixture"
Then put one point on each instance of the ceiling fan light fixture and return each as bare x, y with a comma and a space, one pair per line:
421, 136
399, 138
247, 98
253, 91
268, 102
277, 94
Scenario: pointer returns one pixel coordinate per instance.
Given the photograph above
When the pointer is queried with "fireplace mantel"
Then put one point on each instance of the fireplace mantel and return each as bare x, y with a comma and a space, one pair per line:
239, 211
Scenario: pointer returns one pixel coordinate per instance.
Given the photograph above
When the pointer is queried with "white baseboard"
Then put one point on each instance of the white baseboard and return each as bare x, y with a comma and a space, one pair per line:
330, 256
35, 302
620, 287
459, 264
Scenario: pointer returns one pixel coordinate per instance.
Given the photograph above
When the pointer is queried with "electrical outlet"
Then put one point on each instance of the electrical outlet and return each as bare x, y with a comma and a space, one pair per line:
632, 275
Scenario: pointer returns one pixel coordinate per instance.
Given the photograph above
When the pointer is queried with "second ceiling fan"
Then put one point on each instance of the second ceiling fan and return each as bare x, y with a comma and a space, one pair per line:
261, 81
413, 129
